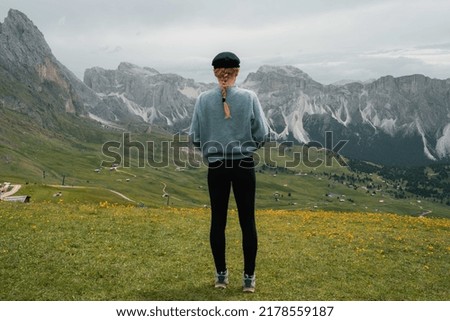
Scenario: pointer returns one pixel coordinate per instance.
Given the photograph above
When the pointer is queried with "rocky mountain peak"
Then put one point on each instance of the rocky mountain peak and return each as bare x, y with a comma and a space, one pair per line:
26, 61
21, 42
286, 71
137, 70
280, 78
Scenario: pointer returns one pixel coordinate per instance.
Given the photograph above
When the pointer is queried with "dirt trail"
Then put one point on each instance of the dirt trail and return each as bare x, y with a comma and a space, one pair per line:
112, 191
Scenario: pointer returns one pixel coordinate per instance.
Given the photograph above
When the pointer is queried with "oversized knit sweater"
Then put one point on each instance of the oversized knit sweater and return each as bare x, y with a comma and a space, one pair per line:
234, 138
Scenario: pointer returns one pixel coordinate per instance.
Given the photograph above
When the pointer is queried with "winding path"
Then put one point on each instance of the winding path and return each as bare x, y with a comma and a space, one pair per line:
112, 191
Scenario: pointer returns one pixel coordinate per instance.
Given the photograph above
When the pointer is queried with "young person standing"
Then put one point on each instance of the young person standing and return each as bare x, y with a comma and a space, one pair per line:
229, 126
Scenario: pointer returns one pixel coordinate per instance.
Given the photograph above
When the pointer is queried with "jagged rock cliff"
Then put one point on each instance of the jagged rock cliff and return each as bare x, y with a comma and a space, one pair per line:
33, 81
144, 94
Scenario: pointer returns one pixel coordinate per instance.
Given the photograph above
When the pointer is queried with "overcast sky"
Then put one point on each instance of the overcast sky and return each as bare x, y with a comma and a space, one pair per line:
330, 40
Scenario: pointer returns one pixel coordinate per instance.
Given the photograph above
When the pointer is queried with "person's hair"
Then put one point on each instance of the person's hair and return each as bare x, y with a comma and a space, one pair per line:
220, 72
222, 75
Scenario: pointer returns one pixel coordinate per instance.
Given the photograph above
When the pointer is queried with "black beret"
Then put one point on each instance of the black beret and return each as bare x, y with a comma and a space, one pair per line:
226, 60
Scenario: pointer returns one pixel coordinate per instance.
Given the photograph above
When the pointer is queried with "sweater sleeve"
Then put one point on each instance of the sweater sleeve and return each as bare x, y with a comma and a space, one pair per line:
260, 128
194, 131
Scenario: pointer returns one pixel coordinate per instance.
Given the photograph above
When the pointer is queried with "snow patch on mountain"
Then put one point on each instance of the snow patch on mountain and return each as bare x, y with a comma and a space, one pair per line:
295, 125
342, 114
367, 114
443, 143
426, 151
104, 122
294, 120
133, 108
190, 92
371, 117
389, 126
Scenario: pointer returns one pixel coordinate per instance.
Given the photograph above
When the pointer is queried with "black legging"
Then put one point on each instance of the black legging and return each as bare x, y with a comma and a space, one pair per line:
239, 174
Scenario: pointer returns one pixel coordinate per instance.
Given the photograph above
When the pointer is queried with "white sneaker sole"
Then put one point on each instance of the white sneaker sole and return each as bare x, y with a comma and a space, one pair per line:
220, 286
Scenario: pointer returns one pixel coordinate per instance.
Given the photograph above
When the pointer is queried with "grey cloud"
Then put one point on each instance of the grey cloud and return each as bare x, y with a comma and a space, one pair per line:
330, 40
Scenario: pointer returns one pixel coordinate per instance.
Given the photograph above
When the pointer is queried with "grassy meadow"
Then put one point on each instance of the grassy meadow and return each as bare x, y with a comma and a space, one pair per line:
46, 165
95, 233
60, 250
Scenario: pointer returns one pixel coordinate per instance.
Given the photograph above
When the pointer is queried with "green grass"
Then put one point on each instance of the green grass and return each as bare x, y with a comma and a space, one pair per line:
82, 251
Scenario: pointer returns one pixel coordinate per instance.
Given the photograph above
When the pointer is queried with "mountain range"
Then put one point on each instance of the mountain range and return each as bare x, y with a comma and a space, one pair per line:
403, 120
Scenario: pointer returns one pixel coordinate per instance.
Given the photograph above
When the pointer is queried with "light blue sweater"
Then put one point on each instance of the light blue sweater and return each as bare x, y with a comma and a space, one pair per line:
234, 138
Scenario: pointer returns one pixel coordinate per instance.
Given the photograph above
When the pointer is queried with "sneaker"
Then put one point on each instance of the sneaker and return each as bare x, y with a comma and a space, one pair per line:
248, 283
221, 279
